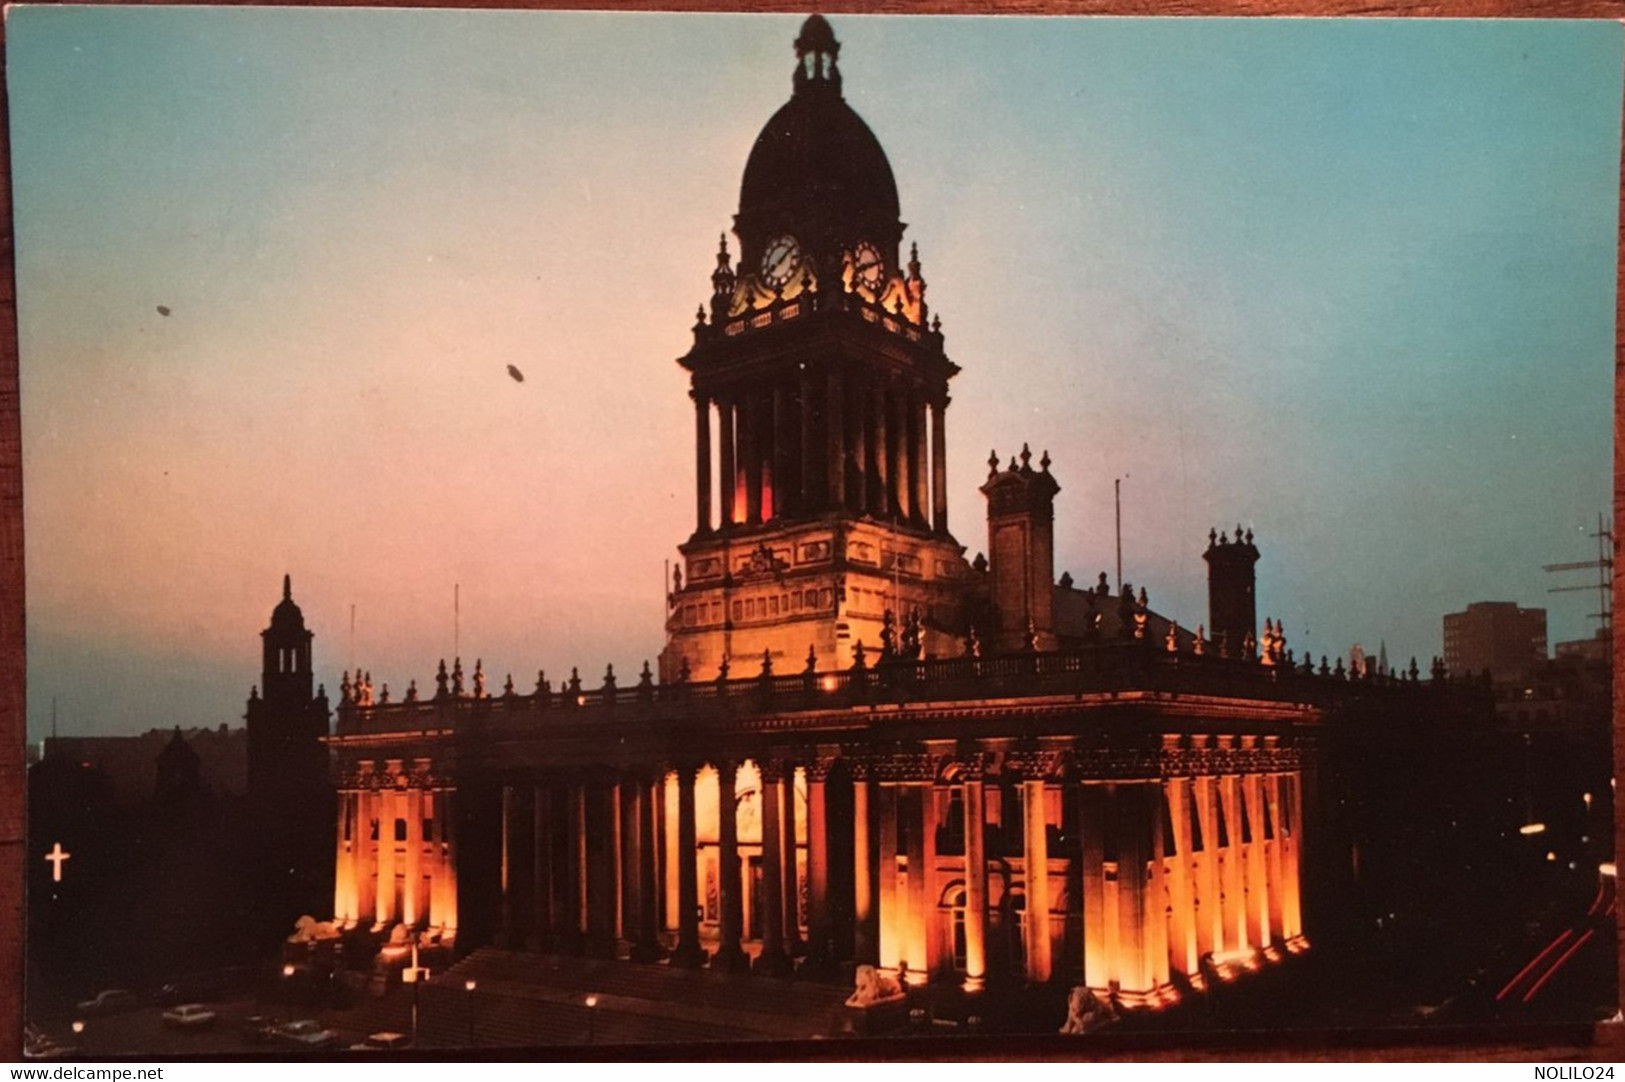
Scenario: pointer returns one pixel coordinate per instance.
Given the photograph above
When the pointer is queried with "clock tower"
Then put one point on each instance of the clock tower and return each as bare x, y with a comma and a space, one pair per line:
820, 387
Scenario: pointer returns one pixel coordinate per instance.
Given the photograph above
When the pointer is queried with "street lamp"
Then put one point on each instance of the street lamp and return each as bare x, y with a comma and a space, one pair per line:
287, 988
469, 986
415, 976
78, 1027
592, 1016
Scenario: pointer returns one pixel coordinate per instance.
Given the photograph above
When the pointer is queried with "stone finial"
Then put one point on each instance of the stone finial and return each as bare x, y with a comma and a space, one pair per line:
647, 676
1172, 642
574, 686
1199, 646
345, 688
888, 638
992, 463
859, 662
1065, 582
412, 691
507, 687
609, 677
253, 692
936, 324
1249, 536
1029, 637
1142, 601
979, 564
1212, 537
1102, 586
457, 677
440, 680
1043, 463
1325, 669
767, 664
479, 678
1338, 670
1026, 458
973, 645
812, 659
542, 685
722, 669
1249, 647
1224, 538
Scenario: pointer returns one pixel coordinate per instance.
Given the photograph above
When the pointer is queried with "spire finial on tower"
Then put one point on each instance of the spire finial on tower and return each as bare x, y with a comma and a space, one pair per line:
816, 53
287, 587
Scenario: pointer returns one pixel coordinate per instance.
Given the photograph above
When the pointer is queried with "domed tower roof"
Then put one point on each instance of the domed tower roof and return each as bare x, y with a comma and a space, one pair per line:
817, 172
286, 616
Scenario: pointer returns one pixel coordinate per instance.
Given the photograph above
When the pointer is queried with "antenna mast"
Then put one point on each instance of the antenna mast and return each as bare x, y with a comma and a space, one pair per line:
1604, 565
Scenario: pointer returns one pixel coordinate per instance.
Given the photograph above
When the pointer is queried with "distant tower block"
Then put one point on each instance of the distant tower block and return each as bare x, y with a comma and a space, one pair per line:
1231, 606
1021, 551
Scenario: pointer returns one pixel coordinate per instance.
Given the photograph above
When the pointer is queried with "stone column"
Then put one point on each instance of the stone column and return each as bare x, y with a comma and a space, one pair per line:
385, 908
1209, 909
728, 484
448, 831
578, 861
1133, 910
648, 948
1258, 894
835, 430
669, 851
702, 463
772, 959
779, 488
820, 926
543, 901
1232, 883
625, 839
412, 889
883, 501
864, 941
752, 429
505, 868
916, 469
1185, 955
729, 956
689, 954
922, 845
1274, 854
1292, 883
939, 466
344, 863
791, 856
903, 490
893, 922
1092, 828
1036, 858
975, 886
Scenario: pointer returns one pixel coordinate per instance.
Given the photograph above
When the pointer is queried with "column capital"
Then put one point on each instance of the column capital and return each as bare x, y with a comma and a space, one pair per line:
771, 767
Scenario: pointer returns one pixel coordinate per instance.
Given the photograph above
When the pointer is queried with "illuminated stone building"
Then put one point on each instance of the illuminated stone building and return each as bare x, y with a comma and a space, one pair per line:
859, 746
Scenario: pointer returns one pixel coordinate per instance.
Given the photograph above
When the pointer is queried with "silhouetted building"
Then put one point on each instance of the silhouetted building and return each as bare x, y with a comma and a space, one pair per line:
130, 763
1494, 636
289, 789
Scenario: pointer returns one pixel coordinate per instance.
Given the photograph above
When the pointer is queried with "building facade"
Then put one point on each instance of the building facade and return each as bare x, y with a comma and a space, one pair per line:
858, 747
1496, 637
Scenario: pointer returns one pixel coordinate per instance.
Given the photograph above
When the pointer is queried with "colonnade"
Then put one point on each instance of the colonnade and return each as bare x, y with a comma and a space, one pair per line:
815, 440
1125, 880
396, 848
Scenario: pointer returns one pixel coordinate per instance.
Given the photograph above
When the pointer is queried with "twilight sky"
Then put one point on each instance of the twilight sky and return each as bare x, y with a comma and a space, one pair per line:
1349, 283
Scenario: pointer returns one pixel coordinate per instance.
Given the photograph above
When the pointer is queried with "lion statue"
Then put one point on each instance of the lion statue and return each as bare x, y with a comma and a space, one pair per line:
307, 929
1086, 1011
873, 986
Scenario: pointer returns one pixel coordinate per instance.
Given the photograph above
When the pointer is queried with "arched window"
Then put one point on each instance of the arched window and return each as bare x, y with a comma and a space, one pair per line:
956, 901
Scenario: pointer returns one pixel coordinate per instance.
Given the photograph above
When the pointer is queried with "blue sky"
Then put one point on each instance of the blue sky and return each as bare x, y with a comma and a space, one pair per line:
1348, 282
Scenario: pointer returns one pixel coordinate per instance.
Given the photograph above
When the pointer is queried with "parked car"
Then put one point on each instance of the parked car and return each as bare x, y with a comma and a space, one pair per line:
259, 1027
383, 1042
189, 1016
110, 1001
305, 1033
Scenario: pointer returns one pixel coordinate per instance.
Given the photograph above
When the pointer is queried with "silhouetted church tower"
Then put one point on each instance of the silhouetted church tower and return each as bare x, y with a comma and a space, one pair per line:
289, 790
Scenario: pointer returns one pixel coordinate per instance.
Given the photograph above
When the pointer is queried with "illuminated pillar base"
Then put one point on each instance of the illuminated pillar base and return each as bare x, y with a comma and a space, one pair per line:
1157, 998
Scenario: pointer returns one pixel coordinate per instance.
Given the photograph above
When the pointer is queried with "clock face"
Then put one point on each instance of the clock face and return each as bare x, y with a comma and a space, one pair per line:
780, 261
868, 267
